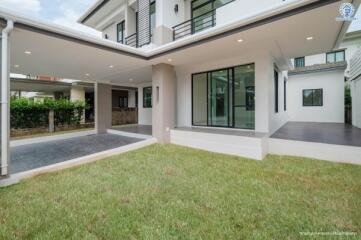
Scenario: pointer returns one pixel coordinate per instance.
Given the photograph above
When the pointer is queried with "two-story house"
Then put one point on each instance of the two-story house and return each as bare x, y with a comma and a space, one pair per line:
211, 74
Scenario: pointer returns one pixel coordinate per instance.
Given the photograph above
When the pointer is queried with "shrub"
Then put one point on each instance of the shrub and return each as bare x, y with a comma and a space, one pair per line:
26, 113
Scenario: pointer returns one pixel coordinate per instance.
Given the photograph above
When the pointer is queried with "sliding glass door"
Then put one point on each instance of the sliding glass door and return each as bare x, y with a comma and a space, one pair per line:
224, 98
244, 93
218, 99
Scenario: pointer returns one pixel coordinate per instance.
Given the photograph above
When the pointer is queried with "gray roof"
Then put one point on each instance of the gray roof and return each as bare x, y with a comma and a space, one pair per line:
319, 68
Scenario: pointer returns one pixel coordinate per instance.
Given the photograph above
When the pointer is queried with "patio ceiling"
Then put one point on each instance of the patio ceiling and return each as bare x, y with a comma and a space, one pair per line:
72, 55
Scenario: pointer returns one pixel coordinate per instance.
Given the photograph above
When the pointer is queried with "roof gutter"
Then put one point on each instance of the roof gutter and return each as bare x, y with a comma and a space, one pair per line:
5, 97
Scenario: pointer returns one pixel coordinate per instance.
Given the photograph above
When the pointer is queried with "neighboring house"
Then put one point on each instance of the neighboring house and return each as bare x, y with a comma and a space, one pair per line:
210, 74
316, 87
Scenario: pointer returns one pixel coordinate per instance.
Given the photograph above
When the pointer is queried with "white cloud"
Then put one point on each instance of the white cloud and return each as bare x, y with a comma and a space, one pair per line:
356, 24
69, 18
28, 7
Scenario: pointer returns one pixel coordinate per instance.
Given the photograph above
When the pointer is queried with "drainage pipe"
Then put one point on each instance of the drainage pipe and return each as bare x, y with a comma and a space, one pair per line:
5, 92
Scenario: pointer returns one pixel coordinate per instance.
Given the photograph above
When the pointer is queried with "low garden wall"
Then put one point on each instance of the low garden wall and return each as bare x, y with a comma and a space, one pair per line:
121, 116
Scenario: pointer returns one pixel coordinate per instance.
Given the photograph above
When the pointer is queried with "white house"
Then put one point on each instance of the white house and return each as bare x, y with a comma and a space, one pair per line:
210, 74
316, 86
316, 93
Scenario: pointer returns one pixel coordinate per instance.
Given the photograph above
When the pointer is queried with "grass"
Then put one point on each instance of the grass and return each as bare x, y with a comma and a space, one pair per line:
171, 192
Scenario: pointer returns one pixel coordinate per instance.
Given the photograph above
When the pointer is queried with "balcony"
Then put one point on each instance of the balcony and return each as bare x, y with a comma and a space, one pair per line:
132, 40
194, 25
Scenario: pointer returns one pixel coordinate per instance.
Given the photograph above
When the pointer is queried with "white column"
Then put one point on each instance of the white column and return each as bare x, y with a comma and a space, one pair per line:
103, 107
164, 101
130, 20
5, 98
263, 86
77, 93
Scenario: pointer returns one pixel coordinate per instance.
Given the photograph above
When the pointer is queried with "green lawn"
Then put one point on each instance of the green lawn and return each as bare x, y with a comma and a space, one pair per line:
170, 192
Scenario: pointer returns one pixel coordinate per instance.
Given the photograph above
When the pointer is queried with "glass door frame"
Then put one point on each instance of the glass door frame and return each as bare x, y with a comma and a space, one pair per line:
231, 124
209, 79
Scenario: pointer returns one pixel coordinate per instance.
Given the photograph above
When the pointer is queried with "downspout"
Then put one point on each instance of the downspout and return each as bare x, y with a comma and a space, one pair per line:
5, 90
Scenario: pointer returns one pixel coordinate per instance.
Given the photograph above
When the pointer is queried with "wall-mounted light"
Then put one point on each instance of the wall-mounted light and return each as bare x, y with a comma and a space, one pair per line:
176, 8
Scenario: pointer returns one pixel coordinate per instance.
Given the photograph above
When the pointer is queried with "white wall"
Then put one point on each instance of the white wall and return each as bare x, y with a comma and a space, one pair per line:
332, 83
111, 31
265, 120
356, 102
277, 119
242, 9
144, 114
131, 98
165, 14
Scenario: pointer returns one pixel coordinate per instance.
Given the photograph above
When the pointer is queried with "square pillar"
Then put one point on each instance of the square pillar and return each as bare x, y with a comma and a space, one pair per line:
5, 104
164, 101
103, 107
77, 93
263, 86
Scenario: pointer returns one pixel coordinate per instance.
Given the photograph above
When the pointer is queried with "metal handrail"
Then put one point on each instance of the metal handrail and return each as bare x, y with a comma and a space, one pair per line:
132, 40
191, 26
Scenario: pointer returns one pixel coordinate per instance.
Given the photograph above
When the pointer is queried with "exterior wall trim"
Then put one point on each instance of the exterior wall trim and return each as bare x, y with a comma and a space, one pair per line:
292, 12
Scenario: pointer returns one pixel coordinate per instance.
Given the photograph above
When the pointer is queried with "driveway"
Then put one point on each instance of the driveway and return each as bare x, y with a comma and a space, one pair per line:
31, 156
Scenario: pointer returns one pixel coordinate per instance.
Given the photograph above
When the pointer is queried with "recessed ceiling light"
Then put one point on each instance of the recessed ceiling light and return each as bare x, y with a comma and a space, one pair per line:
16, 66
28, 52
240, 40
309, 38
111, 66
130, 79
87, 74
169, 60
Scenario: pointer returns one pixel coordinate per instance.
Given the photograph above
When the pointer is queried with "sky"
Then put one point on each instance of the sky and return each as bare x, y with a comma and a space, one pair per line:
67, 12
63, 12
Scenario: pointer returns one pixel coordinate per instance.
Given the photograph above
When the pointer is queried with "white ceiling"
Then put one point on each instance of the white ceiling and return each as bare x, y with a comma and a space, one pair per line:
284, 39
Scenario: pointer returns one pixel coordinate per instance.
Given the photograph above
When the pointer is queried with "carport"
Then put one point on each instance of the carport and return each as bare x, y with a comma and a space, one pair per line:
29, 49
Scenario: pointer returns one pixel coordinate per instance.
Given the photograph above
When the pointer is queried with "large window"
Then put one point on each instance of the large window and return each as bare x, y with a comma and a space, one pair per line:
224, 98
276, 90
299, 62
123, 102
120, 31
334, 57
285, 94
147, 97
152, 17
312, 97
202, 11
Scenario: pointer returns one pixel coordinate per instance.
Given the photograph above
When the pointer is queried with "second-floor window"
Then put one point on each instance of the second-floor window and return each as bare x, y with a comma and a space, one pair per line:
333, 57
203, 15
299, 62
152, 17
120, 32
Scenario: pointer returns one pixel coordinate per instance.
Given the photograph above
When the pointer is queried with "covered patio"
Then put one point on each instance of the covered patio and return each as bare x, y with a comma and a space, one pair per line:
328, 133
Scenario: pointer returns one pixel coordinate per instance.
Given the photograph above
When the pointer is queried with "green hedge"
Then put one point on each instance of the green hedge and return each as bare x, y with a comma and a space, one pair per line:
26, 113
